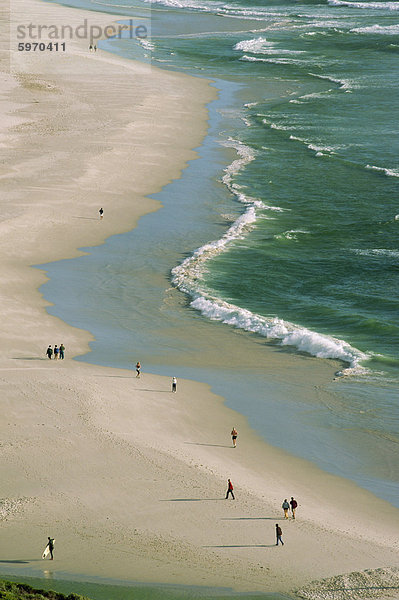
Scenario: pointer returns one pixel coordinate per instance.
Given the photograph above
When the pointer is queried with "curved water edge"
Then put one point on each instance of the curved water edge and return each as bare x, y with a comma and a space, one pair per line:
187, 278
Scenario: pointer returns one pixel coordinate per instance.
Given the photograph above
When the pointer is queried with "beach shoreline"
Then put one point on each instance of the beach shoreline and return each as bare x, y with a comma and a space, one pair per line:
129, 478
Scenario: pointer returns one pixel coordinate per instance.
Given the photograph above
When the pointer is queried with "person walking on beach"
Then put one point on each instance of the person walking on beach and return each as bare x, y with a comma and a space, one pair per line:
138, 369
174, 384
234, 434
56, 352
230, 489
285, 506
62, 351
101, 211
49, 352
279, 533
294, 505
50, 546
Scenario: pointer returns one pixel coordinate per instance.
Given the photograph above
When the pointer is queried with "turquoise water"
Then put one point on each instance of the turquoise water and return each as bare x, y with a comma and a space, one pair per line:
286, 227
106, 589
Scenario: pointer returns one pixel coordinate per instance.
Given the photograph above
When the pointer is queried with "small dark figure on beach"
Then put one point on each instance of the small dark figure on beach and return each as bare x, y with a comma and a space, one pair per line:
230, 489
95, 48
49, 352
285, 506
294, 505
51, 547
62, 351
90, 48
56, 352
279, 533
234, 434
174, 384
101, 211
138, 369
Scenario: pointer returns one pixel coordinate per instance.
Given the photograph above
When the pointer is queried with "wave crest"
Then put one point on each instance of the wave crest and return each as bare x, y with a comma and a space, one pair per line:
188, 278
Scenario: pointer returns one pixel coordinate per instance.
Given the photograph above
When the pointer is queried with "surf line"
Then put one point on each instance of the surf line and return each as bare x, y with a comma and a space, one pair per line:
188, 278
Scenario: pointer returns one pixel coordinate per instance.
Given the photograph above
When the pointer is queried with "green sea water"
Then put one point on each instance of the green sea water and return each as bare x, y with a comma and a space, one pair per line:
105, 589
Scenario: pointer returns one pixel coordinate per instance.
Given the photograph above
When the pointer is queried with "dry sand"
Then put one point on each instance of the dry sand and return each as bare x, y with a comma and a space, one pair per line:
128, 477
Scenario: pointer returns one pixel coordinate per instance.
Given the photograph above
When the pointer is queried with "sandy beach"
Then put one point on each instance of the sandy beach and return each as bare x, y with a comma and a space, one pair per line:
129, 478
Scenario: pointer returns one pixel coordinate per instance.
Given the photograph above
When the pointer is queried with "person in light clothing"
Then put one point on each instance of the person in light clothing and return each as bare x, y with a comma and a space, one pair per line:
285, 506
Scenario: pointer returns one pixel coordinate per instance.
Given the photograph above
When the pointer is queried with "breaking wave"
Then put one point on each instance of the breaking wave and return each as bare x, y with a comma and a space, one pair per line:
188, 277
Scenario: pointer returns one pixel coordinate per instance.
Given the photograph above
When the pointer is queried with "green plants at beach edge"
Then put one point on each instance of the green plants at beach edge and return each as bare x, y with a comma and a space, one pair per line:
22, 591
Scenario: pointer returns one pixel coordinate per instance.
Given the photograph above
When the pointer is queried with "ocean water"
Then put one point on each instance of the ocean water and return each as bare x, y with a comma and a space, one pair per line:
108, 589
285, 229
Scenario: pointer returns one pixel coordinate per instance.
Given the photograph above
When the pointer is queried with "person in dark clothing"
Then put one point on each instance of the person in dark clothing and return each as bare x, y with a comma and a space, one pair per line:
230, 489
294, 505
56, 352
101, 213
138, 369
49, 352
51, 547
279, 533
62, 351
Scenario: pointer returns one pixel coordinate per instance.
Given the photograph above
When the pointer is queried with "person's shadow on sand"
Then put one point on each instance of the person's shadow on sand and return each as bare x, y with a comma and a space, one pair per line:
244, 546
213, 445
25, 561
191, 499
250, 519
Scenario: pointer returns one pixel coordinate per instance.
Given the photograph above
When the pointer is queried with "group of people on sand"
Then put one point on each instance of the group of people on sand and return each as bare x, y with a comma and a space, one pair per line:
58, 352
286, 506
289, 506
292, 505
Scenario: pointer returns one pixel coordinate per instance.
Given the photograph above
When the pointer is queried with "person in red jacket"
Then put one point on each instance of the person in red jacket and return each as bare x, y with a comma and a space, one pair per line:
230, 489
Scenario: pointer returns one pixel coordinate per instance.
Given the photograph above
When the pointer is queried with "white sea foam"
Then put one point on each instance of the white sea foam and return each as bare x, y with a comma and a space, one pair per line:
276, 61
298, 139
376, 252
260, 45
379, 29
388, 172
188, 277
278, 126
209, 6
147, 45
256, 14
344, 84
316, 95
289, 334
318, 149
255, 45
367, 5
